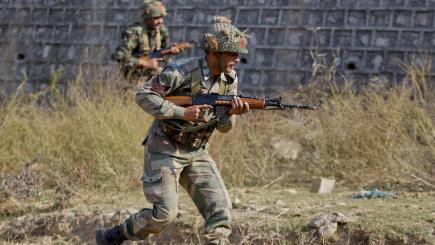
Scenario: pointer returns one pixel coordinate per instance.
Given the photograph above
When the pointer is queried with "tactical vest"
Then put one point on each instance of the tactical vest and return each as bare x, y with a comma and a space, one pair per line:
192, 135
145, 45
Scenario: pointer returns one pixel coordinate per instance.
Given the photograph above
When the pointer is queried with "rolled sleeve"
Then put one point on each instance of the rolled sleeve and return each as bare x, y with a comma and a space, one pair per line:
123, 53
151, 96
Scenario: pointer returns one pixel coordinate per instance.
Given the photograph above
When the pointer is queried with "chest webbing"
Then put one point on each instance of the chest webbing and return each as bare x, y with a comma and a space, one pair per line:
153, 43
198, 83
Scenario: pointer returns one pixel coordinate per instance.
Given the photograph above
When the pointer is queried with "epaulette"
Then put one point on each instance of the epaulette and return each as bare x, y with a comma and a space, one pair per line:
127, 33
185, 65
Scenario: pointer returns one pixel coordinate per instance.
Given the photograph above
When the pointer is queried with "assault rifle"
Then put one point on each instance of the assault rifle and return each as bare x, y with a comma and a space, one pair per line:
216, 100
168, 51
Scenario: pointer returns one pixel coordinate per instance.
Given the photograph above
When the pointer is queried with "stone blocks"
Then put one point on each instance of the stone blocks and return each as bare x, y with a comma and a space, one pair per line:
370, 36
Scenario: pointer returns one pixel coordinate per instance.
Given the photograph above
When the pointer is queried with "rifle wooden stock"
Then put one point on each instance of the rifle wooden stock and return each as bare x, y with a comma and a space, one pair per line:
180, 46
254, 103
180, 100
257, 103
166, 51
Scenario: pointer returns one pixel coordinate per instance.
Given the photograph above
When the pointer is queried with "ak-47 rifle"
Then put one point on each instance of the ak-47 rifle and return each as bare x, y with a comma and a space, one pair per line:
216, 100
168, 51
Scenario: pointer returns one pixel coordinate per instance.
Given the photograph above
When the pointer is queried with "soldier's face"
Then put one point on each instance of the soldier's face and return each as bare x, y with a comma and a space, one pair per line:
154, 23
227, 61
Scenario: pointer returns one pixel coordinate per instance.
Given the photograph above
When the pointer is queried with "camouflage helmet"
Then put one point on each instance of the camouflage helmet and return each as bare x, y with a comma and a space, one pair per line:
222, 36
153, 9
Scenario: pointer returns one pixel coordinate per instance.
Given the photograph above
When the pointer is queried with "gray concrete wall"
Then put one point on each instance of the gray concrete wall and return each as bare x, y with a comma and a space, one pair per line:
38, 37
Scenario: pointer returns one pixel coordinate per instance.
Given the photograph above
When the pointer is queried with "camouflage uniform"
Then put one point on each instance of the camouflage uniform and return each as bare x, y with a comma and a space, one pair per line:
138, 41
176, 151
168, 161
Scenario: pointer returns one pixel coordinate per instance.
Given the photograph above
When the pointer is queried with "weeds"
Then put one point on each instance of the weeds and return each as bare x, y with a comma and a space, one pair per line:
90, 143
89, 137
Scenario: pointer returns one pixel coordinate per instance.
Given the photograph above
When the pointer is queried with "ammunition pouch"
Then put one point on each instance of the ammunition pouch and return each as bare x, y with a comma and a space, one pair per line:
193, 140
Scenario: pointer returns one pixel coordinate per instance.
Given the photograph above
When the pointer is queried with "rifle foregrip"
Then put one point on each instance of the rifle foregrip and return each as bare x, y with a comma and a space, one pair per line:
253, 103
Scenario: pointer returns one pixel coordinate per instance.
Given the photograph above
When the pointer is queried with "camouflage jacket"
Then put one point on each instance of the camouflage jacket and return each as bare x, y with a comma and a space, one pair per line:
137, 41
186, 76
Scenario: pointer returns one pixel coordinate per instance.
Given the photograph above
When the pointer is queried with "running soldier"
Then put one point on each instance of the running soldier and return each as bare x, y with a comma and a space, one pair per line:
139, 40
176, 145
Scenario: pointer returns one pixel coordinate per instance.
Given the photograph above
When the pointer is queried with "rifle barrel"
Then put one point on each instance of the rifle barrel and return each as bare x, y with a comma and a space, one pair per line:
305, 107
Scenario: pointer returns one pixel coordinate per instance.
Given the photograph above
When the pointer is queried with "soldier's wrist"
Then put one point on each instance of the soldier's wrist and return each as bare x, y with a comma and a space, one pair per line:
179, 112
134, 61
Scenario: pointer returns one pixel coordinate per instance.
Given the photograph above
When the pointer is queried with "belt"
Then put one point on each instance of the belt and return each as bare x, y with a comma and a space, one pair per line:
193, 140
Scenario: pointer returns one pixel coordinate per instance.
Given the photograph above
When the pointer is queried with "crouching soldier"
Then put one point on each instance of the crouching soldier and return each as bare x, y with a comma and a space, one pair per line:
141, 39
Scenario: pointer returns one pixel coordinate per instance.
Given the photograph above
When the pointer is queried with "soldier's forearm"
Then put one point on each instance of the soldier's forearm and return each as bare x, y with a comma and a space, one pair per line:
159, 108
123, 54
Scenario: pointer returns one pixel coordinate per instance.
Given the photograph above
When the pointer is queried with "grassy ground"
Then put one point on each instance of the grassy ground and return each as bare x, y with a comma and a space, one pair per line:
359, 139
58, 152
273, 215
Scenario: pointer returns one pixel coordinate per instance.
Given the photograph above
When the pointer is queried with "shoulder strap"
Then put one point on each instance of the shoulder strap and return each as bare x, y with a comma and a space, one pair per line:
197, 80
146, 41
158, 40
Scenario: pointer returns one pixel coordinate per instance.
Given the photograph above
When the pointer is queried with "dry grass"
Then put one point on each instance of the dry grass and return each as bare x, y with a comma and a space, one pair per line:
82, 150
81, 140
90, 138
357, 138
271, 216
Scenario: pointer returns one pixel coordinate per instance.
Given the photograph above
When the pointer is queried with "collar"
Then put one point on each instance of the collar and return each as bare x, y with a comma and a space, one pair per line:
148, 31
152, 32
228, 78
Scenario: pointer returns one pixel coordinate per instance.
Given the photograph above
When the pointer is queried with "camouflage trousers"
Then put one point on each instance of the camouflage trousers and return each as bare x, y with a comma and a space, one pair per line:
197, 173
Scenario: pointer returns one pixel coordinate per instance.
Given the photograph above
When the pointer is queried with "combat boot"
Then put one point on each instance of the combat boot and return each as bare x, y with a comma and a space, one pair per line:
110, 236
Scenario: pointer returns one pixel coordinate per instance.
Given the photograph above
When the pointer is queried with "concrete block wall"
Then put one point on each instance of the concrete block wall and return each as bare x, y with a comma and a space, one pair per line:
38, 37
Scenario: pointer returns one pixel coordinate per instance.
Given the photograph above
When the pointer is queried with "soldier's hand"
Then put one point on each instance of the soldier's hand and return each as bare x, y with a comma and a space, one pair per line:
150, 63
238, 107
174, 49
195, 112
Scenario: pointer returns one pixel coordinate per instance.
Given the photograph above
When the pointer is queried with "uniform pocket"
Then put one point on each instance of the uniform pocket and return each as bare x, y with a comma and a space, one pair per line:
160, 143
153, 187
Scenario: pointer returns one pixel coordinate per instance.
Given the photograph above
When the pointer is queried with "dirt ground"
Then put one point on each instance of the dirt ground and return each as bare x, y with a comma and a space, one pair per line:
269, 215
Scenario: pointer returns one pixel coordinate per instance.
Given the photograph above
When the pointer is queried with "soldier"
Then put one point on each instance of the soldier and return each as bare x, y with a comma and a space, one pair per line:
176, 145
140, 40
